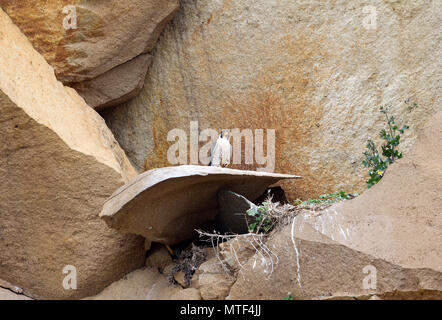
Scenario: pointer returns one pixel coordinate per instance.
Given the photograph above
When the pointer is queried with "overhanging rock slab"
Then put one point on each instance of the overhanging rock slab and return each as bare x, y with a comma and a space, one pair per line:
166, 205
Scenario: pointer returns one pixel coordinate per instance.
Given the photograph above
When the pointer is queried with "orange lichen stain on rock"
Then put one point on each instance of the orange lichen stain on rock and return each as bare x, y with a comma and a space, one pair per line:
212, 21
43, 24
209, 20
267, 111
281, 99
227, 5
90, 26
36, 19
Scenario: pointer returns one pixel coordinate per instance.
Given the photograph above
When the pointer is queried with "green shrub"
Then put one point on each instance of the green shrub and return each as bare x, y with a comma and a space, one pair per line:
379, 162
262, 221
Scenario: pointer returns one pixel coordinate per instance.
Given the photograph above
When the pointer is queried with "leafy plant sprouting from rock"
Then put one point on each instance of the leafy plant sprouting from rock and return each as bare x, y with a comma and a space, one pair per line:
378, 162
289, 297
262, 221
267, 215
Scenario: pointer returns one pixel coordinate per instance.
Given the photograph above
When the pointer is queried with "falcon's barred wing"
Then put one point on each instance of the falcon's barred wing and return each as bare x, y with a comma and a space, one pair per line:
212, 151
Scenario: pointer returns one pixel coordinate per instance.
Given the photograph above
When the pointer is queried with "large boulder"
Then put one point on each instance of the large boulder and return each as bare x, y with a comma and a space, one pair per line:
141, 284
314, 71
391, 234
166, 205
87, 39
116, 86
58, 164
313, 266
213, 281
158, 257
145, 284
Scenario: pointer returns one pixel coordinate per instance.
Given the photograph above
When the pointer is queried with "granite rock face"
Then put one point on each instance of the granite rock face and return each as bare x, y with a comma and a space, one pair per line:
58, 164
315, 71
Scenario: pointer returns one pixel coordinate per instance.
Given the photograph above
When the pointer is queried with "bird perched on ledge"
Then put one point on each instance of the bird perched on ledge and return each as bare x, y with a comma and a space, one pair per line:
221, 150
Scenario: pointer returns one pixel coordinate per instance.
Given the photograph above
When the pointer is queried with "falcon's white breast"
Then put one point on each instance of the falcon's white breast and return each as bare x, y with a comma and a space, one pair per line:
221, 151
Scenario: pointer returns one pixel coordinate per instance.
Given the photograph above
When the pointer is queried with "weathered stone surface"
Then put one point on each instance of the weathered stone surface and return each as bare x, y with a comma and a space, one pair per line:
7, 285
187, 294
158, 257
308, 69
236, 252
329, 270
406, 206
214, 282
232, 212
58, 164
180, 278
215, 286
115, 86
9, 295
395, 227
107, 34
142, 284
166, 205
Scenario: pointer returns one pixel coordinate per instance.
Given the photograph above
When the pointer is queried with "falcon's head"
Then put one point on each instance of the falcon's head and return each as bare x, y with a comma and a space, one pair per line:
225, 134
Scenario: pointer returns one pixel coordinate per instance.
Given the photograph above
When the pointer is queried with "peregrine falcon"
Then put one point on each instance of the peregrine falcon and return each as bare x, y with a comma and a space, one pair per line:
221, 150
